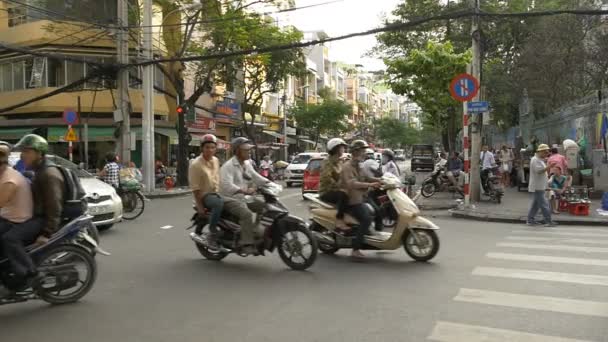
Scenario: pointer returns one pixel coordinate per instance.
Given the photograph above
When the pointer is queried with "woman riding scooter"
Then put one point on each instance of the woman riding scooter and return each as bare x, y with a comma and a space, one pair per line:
354, 184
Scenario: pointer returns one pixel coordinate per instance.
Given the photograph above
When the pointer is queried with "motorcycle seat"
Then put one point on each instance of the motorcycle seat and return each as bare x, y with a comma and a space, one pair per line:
331, 214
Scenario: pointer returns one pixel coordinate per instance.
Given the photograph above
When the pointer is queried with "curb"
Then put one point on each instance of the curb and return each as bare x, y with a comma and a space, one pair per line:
167, 194
495, 218
430, 207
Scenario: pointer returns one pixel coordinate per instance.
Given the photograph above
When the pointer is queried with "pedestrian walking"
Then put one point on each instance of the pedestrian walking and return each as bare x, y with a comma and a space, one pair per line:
537, 185
506, 161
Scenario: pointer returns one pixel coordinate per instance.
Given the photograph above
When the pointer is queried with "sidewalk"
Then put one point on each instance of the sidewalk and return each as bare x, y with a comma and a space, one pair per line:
439, 201
514, 209
162, 193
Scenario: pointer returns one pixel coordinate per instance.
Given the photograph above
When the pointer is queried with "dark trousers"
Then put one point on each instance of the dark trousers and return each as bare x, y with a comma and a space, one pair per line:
484, 179
13, 239
372, 199
339, 198
362, 214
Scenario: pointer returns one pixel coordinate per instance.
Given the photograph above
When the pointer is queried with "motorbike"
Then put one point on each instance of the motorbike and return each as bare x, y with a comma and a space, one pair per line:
289, 234
66, 265
386, 209
415, 233
493, 186
438, 181
267, 173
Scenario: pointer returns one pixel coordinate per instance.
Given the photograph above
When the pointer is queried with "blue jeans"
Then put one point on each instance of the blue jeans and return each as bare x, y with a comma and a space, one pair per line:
539, 202
215, 204
361, 213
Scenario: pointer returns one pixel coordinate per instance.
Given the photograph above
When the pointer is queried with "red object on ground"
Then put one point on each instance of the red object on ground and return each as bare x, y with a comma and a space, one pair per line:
563, 205
579, 209
169, 184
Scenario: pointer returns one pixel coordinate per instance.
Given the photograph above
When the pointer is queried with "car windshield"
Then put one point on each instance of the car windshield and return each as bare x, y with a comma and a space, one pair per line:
70, 166
314, 165
301, 159
424, 151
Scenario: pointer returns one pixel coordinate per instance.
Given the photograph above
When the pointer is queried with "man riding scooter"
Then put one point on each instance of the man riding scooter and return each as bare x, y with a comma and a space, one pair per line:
356, 186
235, 178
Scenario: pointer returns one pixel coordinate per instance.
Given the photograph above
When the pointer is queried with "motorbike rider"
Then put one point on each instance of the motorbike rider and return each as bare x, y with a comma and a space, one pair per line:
266, 163
111, 171
235, 178
487, 163
204, 180
17, 228
354, 183
371, 168
455, 167
329, 183
388, 163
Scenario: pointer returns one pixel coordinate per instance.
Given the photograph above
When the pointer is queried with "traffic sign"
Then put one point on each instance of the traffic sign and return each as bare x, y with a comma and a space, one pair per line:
71, 136
478, 107
70, 116
464, 87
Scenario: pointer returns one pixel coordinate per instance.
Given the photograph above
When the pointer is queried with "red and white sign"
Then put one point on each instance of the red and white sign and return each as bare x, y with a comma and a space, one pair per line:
203, 124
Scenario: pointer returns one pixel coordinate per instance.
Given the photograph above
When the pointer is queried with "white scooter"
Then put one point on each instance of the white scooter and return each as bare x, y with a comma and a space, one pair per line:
415, 233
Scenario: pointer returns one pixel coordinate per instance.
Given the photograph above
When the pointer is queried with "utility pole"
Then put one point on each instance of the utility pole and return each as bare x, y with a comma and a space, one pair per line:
475, 119
148, 114
283, 101
122, 78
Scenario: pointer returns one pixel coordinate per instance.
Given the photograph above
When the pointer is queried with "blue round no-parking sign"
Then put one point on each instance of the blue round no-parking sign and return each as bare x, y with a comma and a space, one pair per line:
70, 117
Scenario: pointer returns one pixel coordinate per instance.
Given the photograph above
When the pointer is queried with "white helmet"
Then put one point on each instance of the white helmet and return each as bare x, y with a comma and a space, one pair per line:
335, 142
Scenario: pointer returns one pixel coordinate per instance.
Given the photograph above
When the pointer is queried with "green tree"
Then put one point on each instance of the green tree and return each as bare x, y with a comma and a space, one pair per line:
326, 118
395, 133
424, 76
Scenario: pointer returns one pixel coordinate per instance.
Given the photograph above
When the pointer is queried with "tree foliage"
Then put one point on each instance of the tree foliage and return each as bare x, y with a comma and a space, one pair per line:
326, 118
395, 133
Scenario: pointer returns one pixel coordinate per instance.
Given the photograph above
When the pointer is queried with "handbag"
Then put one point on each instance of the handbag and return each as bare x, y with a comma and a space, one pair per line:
505, 167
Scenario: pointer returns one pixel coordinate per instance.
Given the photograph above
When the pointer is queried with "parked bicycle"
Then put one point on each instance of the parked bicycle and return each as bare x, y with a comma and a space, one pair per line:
132, 199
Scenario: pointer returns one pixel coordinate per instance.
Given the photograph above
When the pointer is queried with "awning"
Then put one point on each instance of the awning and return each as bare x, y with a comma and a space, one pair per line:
308, 141
57, 134
168, 132
14, 133
281, 136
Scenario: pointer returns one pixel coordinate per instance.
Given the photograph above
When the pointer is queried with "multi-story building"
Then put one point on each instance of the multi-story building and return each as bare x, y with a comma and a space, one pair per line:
82, 30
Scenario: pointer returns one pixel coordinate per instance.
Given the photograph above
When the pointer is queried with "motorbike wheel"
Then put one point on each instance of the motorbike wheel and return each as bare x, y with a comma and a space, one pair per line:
209, 254
428, 189
132, 204
54, 263
324, 247
421, 253
295, 242
105, 227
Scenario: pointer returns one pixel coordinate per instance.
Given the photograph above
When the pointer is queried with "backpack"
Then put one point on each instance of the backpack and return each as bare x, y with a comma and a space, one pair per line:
74, 204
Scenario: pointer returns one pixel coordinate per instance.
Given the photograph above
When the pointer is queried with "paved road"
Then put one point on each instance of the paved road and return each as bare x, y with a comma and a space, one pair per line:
490, 282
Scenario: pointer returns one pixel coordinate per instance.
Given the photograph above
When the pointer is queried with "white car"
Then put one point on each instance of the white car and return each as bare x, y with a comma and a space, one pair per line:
295, 171
103, 202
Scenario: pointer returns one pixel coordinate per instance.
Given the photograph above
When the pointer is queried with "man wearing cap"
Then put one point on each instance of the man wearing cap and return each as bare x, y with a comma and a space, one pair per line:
236, 176
538, 184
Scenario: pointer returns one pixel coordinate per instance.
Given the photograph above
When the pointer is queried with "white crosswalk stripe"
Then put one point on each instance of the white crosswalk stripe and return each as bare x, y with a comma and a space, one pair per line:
583, 249
515, 300
557, 239
456, 332
575, 278
522, 261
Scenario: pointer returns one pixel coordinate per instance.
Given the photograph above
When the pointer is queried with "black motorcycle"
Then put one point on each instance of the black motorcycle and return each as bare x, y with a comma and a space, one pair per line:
66, 266
493, 187
438, 181
288, 234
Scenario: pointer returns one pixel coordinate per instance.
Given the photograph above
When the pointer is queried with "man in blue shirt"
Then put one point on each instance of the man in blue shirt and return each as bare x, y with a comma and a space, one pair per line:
454, 168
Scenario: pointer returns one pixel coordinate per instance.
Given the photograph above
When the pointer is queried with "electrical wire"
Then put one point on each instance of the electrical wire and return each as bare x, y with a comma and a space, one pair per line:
50, 12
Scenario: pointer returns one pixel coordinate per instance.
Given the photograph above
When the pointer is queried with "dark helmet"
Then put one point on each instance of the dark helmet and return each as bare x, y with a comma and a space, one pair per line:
33, 142
5, 151
389, 153
241, 142
110, 157
358, 145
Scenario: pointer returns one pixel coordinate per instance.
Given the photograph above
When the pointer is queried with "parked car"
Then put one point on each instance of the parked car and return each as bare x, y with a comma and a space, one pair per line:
103, 202
295, 171
400, 155
422, 157
312, 176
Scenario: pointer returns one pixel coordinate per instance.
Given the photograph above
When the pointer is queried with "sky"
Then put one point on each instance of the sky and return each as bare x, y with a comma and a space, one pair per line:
345, 16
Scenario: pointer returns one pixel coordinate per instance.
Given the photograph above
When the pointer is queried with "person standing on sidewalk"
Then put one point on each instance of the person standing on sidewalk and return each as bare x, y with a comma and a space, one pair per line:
538, 185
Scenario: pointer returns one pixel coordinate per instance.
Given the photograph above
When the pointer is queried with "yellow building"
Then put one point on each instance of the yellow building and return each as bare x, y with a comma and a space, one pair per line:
82, 31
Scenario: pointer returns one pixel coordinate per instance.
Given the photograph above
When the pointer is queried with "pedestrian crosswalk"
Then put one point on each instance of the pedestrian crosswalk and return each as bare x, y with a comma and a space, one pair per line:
529, 272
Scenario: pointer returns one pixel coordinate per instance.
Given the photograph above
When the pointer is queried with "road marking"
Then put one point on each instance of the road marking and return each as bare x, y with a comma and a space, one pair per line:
542, 303
556, 239
166, 227
566, 229
556, 233
584, 249
456, 332
574, 278
549, 259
